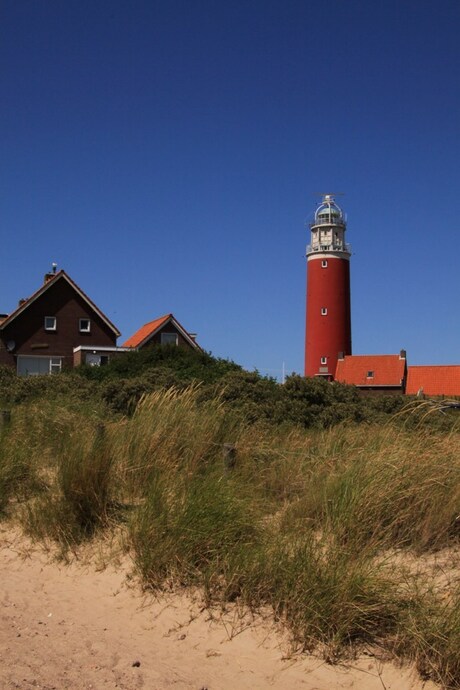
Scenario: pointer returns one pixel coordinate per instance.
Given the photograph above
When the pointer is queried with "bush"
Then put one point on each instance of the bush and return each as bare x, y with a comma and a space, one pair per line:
186, 365
16, 389
123, 395
308, 402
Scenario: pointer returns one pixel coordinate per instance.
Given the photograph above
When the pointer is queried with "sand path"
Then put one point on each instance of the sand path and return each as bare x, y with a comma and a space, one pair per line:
73, 627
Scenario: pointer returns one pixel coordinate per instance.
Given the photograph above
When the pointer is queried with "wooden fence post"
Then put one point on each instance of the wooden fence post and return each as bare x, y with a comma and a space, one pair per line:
229, 456
5, 418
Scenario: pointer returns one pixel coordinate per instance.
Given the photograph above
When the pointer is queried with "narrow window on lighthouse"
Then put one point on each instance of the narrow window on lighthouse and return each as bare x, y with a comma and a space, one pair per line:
323, 360
324, 263
323, 311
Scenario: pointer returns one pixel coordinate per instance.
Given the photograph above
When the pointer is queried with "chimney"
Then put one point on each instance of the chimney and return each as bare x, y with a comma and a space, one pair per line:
50, 275
193, 336
340, 355
402, 354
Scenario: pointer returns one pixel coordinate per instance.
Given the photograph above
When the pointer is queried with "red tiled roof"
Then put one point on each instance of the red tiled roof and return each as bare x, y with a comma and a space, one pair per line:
146, 331
59, 275
387, 370
434, 380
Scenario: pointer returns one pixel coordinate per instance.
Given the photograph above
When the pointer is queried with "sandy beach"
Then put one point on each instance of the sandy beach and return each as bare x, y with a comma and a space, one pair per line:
84, 626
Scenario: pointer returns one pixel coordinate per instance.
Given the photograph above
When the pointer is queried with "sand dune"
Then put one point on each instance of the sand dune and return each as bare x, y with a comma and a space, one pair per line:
76, 627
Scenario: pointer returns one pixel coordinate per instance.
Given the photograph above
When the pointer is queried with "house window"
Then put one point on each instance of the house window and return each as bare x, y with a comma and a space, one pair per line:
93, 359
84, 325
55, 365
324, 263
36, 366
50, 323
370, 374
169, 339
323, 360
323, 311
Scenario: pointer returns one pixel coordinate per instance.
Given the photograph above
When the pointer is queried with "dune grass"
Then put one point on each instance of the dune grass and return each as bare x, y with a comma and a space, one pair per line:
314, 524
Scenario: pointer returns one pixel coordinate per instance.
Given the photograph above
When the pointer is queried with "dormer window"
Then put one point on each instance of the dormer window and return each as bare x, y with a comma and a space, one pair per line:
370, 375
84, 325
50, 323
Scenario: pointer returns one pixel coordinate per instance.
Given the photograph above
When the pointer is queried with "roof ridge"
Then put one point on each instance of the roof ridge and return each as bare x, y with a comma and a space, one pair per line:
432, 366
43, 288
375, 355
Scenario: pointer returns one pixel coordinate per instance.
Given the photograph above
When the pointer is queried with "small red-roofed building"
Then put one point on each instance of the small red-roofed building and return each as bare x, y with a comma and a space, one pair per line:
165, 330
440, 380
56, 328
374, 374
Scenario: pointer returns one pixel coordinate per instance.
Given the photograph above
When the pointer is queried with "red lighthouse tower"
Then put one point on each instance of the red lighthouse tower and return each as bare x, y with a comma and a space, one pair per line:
328, 291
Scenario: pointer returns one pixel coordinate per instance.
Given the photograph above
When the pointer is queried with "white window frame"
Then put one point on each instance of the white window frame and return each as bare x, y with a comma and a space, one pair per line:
80, 327
323, 311
323, 360
324, 263
176, 338
370, 374
55, 365
54, 326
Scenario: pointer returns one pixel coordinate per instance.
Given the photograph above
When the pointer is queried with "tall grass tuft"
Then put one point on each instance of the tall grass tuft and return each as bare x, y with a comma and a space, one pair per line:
22, 451
395, 490
429, 634
80, 496
191, 532
331, 596
171, 431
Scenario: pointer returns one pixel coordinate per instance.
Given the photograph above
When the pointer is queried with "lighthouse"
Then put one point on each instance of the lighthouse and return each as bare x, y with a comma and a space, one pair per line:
328, 321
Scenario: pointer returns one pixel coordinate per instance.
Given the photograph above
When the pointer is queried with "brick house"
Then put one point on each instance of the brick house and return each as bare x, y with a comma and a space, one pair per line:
56, 328
165, 330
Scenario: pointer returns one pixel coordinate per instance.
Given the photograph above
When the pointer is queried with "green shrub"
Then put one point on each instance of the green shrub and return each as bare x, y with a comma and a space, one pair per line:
15, 389
185, 364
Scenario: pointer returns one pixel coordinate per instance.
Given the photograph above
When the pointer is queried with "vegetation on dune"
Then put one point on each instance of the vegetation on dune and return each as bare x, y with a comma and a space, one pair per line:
331, 499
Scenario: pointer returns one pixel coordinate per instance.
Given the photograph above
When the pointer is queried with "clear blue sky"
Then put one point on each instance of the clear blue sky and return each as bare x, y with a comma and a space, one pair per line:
167, 154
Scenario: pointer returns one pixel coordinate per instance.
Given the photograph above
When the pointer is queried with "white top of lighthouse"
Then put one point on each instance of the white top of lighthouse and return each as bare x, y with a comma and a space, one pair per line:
328, 230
